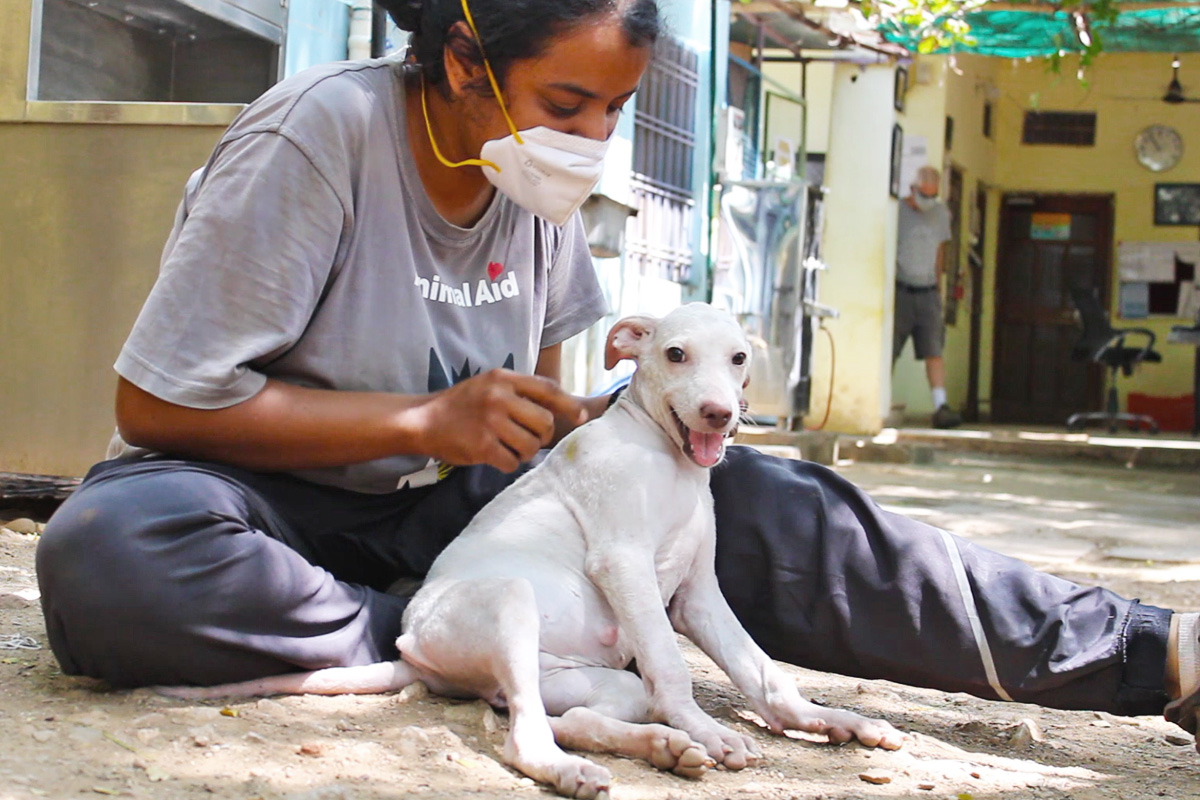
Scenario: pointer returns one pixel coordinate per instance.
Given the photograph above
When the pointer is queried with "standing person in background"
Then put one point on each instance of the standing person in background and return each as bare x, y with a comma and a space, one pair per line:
922, 233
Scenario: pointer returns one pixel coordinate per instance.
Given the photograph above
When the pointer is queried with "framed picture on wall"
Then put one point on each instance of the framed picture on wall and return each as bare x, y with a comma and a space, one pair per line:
901, 87
1177, 204
897, 157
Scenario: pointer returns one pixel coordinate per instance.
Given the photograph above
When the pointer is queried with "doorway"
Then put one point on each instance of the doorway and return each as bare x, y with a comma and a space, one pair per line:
1048, 244
953, 265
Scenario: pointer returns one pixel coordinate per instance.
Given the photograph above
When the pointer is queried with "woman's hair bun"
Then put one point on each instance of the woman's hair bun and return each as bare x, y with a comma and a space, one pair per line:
405, 13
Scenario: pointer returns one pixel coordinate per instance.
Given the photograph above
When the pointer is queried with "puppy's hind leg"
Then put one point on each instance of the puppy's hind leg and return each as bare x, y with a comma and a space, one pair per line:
603, 710
483, 636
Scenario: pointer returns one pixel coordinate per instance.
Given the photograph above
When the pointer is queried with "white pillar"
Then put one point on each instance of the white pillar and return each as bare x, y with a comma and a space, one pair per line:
359, 43
860, 248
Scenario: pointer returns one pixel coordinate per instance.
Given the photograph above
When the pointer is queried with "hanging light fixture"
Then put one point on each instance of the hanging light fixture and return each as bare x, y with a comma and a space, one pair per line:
1174, 88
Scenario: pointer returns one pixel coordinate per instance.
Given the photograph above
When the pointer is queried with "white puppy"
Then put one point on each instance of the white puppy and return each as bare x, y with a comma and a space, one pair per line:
593, 559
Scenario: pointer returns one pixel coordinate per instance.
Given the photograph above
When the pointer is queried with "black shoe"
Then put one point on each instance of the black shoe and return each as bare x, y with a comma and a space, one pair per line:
946, 417
1183, 712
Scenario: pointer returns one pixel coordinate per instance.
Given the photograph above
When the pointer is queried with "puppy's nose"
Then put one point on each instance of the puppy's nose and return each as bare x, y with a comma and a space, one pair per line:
715, 415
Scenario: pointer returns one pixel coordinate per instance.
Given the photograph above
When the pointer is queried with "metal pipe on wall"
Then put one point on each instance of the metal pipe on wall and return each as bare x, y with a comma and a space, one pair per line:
713, 131
379, 20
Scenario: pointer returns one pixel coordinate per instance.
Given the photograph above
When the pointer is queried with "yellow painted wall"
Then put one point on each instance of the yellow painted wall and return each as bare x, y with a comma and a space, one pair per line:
84, 211
819, 88
969, 83
860, 251
936, 90
939, 90
818, 95
924, 115
1124, 90
14, 57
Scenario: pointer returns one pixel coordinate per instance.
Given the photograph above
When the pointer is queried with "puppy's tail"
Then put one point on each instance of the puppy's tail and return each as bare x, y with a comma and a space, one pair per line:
385, 676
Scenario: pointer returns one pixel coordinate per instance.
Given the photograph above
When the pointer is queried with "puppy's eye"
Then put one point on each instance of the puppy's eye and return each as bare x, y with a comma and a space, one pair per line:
739, 359
675, 354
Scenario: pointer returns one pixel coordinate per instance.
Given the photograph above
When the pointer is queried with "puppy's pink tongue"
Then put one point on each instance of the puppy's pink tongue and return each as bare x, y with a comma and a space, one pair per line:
706, 447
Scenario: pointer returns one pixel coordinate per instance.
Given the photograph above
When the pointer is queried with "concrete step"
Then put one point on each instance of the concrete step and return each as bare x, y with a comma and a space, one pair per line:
919, 445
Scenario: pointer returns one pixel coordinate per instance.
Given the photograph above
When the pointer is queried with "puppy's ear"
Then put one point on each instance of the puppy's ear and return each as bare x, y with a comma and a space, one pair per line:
627, 339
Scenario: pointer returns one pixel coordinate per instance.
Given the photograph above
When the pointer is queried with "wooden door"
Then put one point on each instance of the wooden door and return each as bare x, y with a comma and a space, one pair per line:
975, 281
1048, 244
953, 264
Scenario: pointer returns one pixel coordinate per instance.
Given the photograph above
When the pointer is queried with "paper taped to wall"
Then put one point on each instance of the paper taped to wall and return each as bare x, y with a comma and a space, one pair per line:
1154, 262
1135, 300
1189, 301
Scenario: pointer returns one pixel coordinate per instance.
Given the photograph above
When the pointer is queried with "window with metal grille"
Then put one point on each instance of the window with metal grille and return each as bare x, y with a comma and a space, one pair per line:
659, 238
1059, 127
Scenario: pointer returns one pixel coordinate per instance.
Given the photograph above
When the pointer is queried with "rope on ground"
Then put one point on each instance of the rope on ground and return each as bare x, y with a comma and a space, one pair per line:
17, 641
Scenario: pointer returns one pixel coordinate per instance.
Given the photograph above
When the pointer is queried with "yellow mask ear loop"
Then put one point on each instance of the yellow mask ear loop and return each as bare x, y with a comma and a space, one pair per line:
491, 75
470, 162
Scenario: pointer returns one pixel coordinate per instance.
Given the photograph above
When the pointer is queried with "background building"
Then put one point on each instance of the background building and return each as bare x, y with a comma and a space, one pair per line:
764, 158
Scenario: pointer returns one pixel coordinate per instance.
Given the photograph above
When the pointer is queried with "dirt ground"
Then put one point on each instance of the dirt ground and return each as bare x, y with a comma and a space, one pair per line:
1136, 531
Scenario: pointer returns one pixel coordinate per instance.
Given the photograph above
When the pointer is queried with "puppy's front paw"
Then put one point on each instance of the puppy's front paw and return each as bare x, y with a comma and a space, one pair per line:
727, 747
671, 749
841, 726
581, 779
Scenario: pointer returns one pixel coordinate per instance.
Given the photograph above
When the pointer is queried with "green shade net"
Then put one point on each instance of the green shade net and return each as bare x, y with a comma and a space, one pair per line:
1017, 34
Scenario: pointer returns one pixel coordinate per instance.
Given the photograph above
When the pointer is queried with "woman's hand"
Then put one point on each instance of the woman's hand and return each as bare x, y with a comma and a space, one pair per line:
500, 417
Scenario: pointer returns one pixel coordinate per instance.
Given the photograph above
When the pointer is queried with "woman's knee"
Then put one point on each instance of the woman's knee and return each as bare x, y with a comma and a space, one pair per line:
121, 530
121, 568
78, 531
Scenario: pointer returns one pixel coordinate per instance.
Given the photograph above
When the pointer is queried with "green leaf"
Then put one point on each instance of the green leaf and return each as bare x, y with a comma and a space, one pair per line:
928, 26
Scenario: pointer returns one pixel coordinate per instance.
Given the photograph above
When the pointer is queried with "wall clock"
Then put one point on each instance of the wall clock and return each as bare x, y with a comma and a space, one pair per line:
1158, 147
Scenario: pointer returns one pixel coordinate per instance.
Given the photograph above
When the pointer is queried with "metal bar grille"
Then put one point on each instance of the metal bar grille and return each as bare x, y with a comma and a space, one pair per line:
659, 237
1059, 127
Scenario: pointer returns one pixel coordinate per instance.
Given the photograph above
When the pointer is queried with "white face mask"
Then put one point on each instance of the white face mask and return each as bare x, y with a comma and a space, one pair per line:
547, 172
923, 202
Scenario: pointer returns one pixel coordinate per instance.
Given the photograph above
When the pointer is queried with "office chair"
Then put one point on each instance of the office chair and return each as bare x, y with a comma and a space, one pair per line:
1103, 344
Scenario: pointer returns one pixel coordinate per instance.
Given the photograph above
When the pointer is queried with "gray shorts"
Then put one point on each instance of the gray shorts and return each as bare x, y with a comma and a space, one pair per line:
919, 315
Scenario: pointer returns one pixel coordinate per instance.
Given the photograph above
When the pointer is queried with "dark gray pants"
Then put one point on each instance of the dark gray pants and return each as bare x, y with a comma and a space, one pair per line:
919, 315
173, 572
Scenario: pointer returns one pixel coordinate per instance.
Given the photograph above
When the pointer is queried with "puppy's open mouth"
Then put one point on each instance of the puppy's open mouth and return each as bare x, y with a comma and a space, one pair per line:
705, 449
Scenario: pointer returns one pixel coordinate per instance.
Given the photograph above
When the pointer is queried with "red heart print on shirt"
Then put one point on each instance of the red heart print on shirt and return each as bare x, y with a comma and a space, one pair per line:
494, 269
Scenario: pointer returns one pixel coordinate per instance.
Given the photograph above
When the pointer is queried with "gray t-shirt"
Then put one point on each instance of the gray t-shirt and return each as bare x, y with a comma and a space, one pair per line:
308, 251
919, 234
